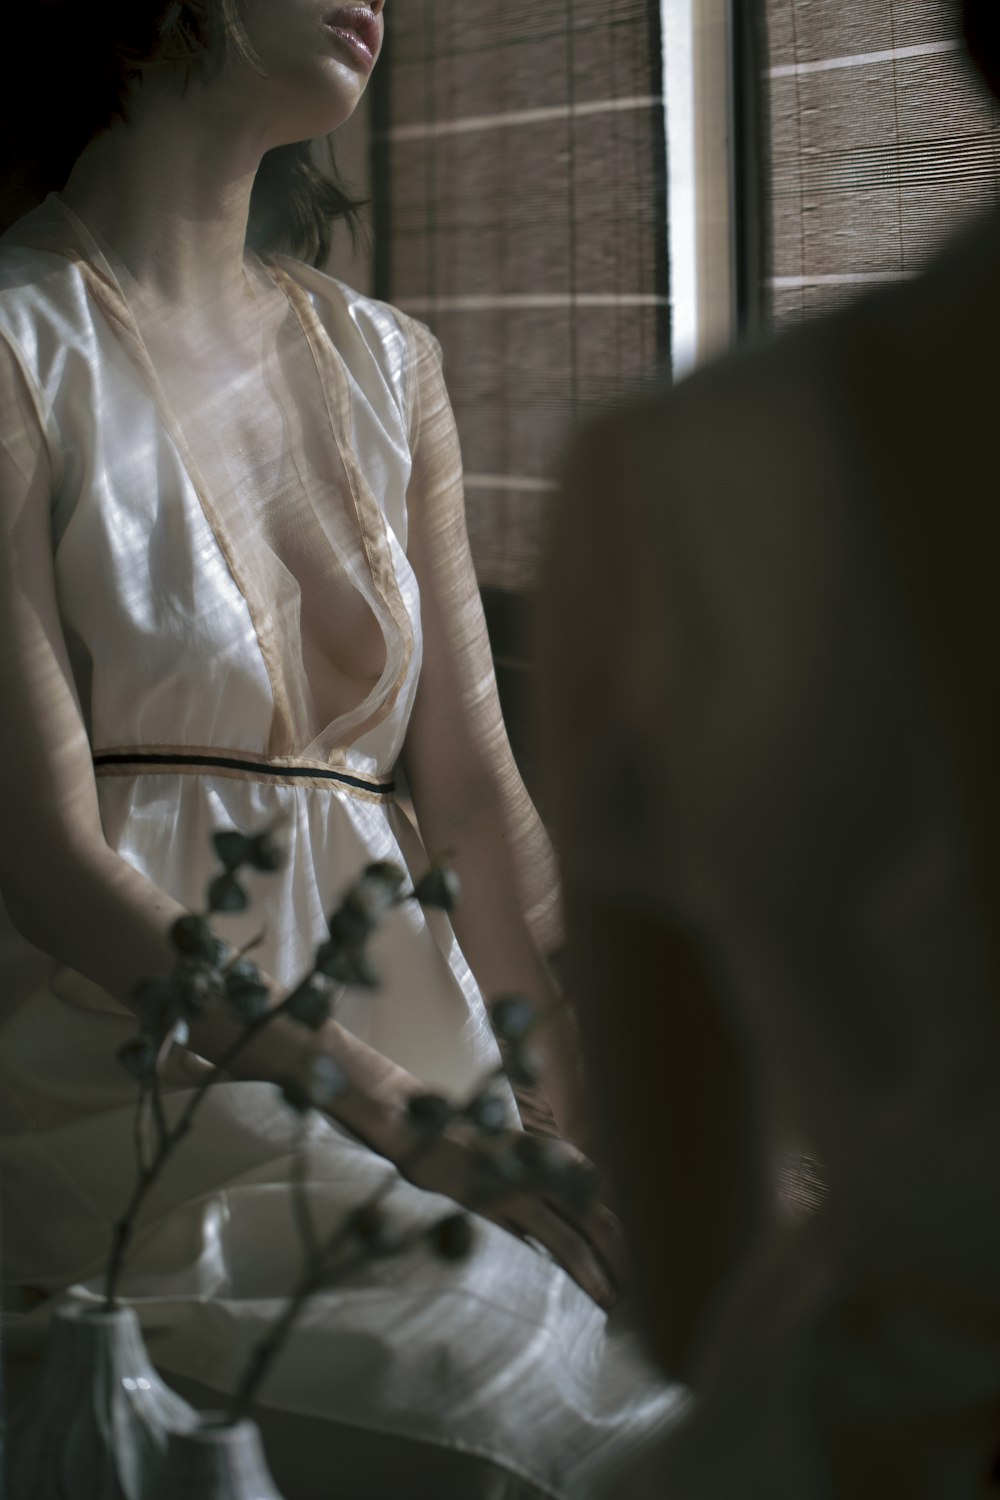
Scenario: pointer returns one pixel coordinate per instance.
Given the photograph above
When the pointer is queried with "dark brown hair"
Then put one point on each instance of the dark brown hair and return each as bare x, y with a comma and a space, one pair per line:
70, 70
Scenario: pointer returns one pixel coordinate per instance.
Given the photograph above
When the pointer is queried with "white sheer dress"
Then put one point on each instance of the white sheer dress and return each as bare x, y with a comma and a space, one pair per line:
194, 573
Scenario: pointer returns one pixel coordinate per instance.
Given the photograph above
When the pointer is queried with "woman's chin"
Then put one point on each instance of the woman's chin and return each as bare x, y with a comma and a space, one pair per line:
322, 113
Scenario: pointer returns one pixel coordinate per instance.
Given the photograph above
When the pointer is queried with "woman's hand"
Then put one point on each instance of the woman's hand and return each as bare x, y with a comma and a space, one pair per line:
586, 1241
448, 1156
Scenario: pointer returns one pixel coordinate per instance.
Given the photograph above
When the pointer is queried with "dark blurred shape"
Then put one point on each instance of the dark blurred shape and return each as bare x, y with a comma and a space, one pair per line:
773, 690
981, 21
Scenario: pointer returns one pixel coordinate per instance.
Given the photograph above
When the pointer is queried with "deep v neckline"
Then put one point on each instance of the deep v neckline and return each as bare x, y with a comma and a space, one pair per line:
295, 732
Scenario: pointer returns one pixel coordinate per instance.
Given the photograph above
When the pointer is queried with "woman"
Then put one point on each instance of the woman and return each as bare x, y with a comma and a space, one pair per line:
237, 589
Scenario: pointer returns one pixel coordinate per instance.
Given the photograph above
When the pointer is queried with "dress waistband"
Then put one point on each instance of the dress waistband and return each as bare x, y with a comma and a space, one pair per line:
285, 772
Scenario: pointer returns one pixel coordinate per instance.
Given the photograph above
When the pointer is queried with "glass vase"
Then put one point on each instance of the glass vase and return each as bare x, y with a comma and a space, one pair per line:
98, 1426
216, 1460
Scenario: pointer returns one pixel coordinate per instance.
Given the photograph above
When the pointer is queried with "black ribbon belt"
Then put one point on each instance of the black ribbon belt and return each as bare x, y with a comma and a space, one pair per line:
257, 768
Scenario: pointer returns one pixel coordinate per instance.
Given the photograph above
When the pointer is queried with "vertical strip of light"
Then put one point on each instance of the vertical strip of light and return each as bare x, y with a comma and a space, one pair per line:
698, 110
682, 217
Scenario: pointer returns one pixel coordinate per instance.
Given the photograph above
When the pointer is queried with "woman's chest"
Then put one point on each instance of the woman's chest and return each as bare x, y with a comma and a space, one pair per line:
221, 555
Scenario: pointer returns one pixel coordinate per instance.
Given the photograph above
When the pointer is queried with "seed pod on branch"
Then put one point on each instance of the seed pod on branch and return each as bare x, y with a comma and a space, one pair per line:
371, 1227
200, 987
267, 852
193, 937
225, 894
247, 996
440, 888
138, 1057
315, 1086
158, 1001
311, 1003
452, 1237
488, 1112
429, 1113
347, 964
232, 848
513, 1018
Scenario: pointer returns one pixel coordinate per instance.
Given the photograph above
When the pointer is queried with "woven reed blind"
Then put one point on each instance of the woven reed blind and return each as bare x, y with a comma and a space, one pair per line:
881, 141
520, 212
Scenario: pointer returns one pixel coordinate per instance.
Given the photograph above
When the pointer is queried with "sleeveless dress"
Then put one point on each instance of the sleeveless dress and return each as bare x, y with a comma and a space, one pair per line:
187, 581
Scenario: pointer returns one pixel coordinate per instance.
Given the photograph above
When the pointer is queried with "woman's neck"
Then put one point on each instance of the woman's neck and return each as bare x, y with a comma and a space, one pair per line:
168, 193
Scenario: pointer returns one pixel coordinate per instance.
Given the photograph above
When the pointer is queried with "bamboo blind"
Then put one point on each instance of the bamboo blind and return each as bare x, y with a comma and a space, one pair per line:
881, 141
520, 212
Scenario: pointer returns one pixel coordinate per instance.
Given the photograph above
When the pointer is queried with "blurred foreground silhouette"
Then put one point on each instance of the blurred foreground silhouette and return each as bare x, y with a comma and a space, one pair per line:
772, 659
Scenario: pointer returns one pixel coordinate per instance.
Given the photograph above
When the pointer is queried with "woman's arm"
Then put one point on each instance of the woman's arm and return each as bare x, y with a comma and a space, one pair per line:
467, 792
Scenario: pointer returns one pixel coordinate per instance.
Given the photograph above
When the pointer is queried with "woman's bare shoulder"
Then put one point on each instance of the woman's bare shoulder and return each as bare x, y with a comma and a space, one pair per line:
370, 335
335, 299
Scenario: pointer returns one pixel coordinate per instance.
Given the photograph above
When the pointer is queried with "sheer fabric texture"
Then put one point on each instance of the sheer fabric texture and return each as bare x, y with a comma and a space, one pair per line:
244, 633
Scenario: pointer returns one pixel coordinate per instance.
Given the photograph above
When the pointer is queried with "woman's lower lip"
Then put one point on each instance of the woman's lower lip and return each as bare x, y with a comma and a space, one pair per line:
351, 39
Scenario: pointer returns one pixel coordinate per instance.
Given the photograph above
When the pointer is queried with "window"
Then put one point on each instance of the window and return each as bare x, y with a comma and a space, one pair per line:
520, 212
